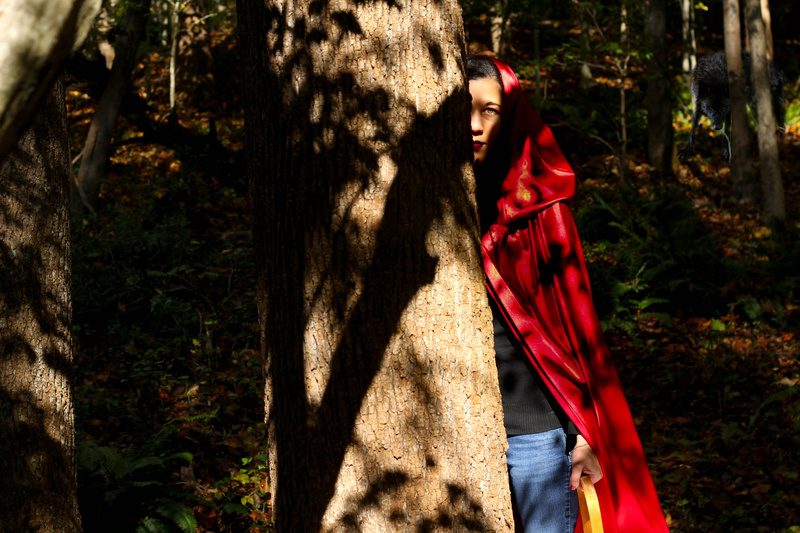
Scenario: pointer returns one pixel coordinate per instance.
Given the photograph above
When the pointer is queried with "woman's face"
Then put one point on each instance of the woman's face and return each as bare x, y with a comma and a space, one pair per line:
487, 97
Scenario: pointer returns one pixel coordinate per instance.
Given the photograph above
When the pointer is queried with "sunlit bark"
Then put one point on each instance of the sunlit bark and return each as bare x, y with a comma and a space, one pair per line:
383, 406
38, 480
38, 36
767, 17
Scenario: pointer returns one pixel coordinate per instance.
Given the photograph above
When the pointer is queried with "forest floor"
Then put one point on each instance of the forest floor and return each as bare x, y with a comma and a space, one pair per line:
168, 376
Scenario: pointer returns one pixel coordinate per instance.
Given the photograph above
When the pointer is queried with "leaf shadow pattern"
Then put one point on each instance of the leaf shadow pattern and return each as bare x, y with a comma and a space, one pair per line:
37, 460
382, 504
311, 171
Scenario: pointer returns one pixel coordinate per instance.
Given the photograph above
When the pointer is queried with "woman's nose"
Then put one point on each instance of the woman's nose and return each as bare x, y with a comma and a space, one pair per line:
475, 123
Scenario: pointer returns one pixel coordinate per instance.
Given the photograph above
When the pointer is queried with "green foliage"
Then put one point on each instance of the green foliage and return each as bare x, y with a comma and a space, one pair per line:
161, 306
793, 112
244, 492
647, 255
122, 489
176, 513
781, 249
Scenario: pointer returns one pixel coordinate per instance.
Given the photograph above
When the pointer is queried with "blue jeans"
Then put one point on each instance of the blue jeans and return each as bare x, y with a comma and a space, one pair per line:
539, 468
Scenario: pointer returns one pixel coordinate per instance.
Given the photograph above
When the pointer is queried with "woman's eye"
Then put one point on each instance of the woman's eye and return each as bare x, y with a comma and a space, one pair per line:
490, 111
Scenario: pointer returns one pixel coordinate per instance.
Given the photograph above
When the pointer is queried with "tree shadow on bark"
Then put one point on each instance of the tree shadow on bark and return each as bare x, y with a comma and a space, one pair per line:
309, 161
325, 432
36, 450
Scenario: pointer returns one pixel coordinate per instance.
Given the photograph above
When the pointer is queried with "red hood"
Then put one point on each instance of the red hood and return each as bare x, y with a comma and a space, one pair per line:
537, 174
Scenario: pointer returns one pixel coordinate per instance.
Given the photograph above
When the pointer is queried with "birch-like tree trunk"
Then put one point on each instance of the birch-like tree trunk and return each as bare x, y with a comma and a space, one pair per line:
689, 56
38, 36
741, 159
501, 27
382, 399
771, 182
38, 475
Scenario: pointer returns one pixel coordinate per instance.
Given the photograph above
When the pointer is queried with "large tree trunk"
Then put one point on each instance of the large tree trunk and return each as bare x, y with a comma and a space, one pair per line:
85, 191
659, 103
741, 160
38, 36
38, 479
771, 181
383, 406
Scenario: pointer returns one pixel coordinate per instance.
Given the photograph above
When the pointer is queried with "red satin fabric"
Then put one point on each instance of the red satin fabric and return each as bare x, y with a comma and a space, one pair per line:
536, 271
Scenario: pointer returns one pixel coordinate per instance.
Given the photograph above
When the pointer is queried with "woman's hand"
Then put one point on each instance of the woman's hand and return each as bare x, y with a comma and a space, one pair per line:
584, 461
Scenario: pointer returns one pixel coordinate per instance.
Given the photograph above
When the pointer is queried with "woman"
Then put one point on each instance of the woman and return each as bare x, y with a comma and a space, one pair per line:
564, 409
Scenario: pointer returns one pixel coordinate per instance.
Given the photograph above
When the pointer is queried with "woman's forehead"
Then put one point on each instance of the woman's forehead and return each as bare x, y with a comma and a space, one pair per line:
486, 89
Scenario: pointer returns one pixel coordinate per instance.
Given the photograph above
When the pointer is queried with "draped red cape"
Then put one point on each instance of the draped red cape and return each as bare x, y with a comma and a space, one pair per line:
536, 272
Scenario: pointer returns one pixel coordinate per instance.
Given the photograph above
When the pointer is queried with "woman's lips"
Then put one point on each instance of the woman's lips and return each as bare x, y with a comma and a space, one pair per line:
476, 146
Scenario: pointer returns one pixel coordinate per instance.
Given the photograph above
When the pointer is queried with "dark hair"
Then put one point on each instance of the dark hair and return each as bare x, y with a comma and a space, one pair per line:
480, 67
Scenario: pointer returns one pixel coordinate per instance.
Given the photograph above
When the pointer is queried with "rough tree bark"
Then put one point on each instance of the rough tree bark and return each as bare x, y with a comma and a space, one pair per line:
771, 182
741, 159
38, 479
659, 103
38, 36
85, 190
383, 407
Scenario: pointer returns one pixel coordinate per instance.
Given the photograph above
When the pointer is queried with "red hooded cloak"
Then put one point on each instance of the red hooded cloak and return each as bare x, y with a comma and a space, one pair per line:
537, 274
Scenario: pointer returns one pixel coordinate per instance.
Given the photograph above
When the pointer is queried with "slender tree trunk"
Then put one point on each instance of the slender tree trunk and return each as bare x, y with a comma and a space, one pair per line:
659, 103
741, 159
765, 14
767, 18
382, 400
174, 24
38, 36
622, 67
501, 28
771, 181
38, 476
97, 149
689, 58
587, 80
194, 72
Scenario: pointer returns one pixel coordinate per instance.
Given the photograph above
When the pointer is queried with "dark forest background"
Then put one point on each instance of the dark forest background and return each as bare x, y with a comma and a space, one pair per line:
698, 295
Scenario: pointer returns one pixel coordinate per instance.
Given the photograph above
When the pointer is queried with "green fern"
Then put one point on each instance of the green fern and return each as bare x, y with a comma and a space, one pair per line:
153, 525
178, 513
